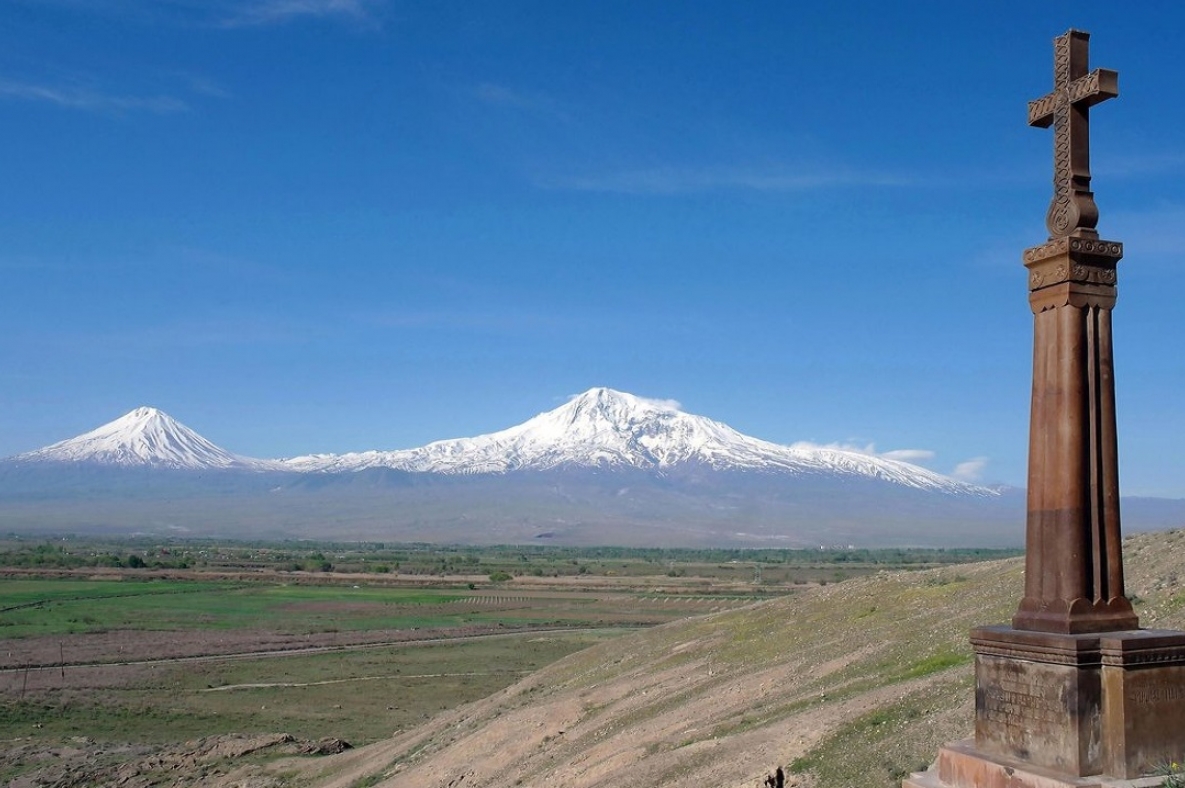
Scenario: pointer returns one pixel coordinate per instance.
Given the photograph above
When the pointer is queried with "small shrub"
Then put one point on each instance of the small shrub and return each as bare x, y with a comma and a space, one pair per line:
1173, 774
937, 663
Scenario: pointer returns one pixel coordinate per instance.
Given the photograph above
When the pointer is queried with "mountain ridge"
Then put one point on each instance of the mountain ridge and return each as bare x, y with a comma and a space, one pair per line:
605, 468
599, 429
604, 428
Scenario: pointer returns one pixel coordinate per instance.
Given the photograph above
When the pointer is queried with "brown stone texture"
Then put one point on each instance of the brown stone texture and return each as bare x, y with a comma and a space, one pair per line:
1074, 569
1143, 684
1073, 560
1067, 109
962, 764
1038, 698
1069, 710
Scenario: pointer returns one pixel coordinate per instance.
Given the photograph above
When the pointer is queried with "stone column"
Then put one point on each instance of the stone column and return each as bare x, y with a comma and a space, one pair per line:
1073, 561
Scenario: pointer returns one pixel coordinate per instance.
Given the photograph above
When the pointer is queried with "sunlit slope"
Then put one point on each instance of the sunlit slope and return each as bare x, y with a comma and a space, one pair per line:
851, 684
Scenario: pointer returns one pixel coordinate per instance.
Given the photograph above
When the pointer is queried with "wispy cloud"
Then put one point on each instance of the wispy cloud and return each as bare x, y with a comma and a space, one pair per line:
665, 404
869, 448
205, 86
912, 456
90, 100
902, 455
500, 95
530, 102
696, 180
970, 470
227, 13
449, 319
273, 12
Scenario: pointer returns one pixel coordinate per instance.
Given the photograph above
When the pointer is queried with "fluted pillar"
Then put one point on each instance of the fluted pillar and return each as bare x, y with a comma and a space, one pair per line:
1073, 560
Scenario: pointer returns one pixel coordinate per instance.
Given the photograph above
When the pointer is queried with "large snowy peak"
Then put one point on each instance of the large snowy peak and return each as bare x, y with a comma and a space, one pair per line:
603, 428
145, 437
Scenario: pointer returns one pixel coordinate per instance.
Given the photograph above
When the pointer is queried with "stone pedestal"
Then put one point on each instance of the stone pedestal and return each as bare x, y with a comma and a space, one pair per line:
1038, 698
961, 764
1143, 700
1069, 710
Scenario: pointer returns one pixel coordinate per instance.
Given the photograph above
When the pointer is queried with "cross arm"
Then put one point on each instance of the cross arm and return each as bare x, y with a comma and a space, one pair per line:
1086, 91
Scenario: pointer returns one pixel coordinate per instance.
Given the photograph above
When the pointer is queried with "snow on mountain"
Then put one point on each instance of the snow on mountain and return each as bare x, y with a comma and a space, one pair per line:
603, 428
145, 437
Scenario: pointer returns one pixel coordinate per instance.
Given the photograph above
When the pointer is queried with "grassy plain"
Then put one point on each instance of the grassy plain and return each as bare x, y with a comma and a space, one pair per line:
355, 694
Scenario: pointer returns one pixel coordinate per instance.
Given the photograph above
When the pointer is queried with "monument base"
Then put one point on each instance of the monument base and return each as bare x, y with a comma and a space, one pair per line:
961, 765
1055, 710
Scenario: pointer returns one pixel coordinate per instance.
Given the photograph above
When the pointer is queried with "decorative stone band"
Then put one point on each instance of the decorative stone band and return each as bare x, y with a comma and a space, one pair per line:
1081, 651
1053, 272
1082, 260
1147, 648
1072, 294
1078, 247
1127, 648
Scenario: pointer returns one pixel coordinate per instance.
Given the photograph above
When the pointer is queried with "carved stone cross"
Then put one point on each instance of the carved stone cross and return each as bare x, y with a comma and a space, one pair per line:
1067, 109
1073, 551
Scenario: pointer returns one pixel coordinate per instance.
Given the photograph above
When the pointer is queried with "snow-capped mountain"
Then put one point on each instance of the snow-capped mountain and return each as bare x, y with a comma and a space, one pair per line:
603, 428
145, 437
604, 468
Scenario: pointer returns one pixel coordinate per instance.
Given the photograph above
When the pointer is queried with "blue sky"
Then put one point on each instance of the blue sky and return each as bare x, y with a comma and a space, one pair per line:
334, 225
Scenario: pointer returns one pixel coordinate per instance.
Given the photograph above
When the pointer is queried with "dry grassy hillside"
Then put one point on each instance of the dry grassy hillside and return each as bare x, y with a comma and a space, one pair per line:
851, 685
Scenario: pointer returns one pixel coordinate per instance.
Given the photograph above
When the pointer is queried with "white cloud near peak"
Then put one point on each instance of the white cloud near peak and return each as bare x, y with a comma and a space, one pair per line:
970, 470
913, 456
665, 404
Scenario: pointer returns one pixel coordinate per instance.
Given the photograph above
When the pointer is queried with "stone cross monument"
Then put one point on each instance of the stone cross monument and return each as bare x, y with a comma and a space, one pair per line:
1073, 566
1073, 693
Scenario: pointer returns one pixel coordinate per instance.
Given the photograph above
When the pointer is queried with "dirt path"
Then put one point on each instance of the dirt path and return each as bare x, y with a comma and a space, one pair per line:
401, 676
102, 648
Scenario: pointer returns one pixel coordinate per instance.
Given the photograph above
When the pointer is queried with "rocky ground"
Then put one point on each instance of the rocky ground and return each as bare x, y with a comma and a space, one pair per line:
213, 762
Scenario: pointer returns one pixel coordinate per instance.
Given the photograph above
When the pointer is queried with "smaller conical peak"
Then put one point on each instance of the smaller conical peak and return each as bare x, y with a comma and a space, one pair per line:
144, 436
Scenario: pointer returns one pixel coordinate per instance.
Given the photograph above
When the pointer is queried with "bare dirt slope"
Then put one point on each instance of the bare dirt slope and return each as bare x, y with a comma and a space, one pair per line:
851, 684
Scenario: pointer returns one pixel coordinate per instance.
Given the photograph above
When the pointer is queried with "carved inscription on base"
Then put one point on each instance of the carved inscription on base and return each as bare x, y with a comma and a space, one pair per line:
1145, 714
1045, 714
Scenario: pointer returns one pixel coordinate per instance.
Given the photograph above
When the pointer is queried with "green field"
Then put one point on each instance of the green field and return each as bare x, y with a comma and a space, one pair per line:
148, 643
358, 695
52, 607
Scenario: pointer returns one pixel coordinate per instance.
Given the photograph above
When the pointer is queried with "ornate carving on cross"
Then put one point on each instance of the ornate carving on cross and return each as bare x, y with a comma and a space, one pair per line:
1073, 211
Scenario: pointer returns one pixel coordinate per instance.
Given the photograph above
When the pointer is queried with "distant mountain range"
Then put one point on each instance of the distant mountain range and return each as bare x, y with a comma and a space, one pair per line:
605, 468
